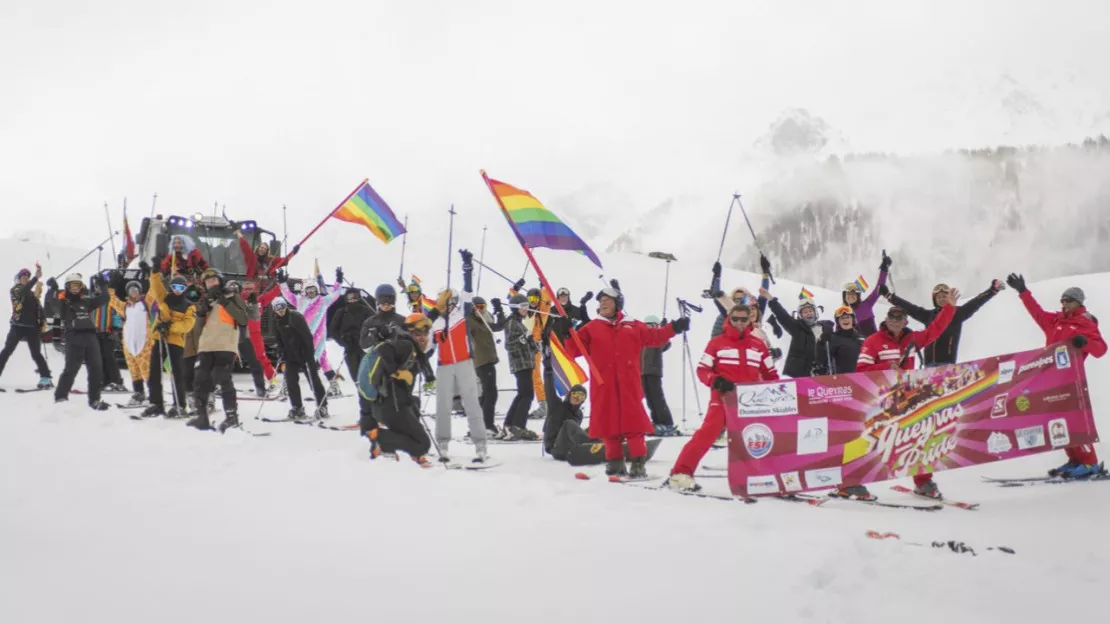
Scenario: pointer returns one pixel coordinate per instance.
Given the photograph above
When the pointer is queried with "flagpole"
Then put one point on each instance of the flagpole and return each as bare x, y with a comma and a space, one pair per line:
450, 242
481, 258
319, 225
112, 239
404, 242
543, 279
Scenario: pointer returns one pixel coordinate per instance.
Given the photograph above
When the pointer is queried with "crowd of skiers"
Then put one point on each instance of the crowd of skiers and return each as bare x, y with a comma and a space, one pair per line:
183, 318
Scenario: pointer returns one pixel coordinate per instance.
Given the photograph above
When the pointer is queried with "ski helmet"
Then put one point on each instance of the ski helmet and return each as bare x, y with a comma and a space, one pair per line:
478, 301
533, 296
578, 389
651, 319
806, 302
843, 311
744, 295
450, 296
417, 322
133, 285
851, 287
562, 291
210, 273
518, 300
74, 277
896, 313
279, 303
22, 273
613, 294
385, 294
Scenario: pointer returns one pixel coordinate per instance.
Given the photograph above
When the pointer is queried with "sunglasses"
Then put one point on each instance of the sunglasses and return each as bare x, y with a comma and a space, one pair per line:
740, 319
896, 317
1066, 300
387, 300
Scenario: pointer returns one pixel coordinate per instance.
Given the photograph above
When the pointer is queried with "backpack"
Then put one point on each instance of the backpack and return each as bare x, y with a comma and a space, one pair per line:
370, 374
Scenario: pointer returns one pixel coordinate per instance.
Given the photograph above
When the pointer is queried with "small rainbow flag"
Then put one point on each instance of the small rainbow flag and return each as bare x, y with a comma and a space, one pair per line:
805, 294
427, 303
416, 279
365, 207
567, 372
537, 225
862, 283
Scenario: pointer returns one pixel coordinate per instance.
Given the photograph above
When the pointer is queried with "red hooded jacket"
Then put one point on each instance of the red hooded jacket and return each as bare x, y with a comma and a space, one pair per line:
1063, 326
882, 349
617, 405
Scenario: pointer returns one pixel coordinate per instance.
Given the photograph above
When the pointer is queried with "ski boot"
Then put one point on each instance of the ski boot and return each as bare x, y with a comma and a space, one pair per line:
211, 403
115, 388
176, 412
298, 414
45, 382
423, 461
334, 391
61, 399
929, 488
190, 404
260, 391
1062, 470
230, 422
682, 483
637, 470
137, 398
480, 457
200, 421
99, 406
1080, 471
321, 412
375, 446
666, 431
857, 492
616, 468
283, 392
153, 411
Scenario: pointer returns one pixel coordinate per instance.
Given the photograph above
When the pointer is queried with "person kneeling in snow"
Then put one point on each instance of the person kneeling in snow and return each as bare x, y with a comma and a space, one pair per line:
563, 424
395, 407
1076, 326
617, 412
890, 347
735, 357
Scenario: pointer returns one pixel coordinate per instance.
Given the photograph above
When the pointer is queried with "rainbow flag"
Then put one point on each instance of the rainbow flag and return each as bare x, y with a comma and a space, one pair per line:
862, 283
366, 207
567, 372
537, 225
416, 279
805, 294
427, 303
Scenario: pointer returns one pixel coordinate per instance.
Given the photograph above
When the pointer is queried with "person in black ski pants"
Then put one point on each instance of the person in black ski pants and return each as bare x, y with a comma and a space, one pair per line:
483, 347
220, 314
395, 406
26, 321
345, 325
562, 429
368, 336
945, 350
82, 346
842, 344
651, 376
522, 358
298, 351
802, 359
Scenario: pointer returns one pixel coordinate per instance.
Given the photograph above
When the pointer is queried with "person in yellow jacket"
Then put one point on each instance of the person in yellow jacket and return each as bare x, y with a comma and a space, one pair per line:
178, 316
539, 309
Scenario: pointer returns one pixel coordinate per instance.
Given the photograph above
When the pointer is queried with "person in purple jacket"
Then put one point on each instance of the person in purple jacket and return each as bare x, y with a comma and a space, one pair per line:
864, 309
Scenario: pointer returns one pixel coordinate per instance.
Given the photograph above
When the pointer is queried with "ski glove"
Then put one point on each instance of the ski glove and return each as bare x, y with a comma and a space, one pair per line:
764, 264
680, 325
339, 275
775, 327
586, 298
885, 265
296, 250
776, 353
615, 284
997, 286
467, 257
163, 328
518, 285
723, 385
884, 291
716, 270
281, 276
144, 267
52, 283
1017, 282
1079, 342
496, 303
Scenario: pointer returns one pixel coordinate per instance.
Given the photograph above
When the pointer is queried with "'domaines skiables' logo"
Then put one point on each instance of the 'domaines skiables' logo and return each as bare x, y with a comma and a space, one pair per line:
758, 439
772, 399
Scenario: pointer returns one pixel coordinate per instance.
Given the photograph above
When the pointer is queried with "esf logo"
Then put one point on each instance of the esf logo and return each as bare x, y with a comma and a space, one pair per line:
758, 439
1063, 360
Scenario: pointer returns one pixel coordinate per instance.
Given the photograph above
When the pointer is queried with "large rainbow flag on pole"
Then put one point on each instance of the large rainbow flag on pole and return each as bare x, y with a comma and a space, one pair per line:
365, 207
537, 225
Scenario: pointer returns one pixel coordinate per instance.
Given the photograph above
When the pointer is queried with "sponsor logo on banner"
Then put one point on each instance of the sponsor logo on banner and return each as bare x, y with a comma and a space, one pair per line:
1058, 433
1056, 398
1006, 371
1040, 362
1029, 437
813, 436
773, 399
999, 443
1022, 403
999, 409
833, 394
791, 481
824, 477
1063, 360
762, 484
758, 439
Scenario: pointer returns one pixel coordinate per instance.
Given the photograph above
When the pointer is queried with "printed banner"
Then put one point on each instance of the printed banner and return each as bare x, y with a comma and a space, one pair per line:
805, 434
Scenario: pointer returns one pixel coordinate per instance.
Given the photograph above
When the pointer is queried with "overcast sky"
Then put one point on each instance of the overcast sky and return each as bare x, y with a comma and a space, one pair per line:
256, 104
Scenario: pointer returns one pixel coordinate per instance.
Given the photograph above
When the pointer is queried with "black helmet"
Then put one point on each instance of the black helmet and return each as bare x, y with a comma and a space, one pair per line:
518, 299
613, 294
478, 300
385, 290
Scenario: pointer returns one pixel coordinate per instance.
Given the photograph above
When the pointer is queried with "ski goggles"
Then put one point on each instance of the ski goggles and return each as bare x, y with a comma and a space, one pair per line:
1067, 300
740, 296
941, 288
844, 311
480, 306
178, 288
387, 300
896, 314
740, 318
533, 299
279, 305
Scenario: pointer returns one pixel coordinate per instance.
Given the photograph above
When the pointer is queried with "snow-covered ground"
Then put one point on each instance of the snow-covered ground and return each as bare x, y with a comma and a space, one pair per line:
103, 519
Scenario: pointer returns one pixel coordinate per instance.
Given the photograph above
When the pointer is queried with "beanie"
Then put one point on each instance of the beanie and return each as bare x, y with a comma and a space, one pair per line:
1076, 293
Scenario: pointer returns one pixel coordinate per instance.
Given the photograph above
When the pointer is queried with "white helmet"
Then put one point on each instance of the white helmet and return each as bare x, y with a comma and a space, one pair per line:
74, 277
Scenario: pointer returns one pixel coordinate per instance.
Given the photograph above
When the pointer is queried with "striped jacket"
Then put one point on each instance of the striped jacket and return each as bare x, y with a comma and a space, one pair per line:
882, 350
738, 357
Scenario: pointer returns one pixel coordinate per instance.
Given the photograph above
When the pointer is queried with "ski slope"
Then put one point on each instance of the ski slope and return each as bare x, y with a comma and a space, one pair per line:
103, 519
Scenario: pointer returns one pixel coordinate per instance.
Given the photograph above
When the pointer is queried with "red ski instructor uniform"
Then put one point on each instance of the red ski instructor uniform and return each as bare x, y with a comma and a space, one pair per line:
617, 405
739, 357
1064, 327
883, 350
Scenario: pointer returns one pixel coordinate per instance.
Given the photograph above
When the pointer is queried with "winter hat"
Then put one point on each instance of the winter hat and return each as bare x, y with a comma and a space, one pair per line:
279, 303
578, 388
478, 301
518, 299
651, 319
1076, 293
22, 272
896, 312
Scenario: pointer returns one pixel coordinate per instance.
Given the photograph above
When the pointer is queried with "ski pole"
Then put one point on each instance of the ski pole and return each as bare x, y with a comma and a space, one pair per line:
724, 233
404, 243
108, 218
481, 256
752, 230
491, 270
450, 243
167, 362
98, 247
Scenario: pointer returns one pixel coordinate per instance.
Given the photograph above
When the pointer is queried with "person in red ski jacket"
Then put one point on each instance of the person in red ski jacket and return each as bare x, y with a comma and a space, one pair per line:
736, 356
184, 259
1076, 326
259, 283
614, 343
883, 350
